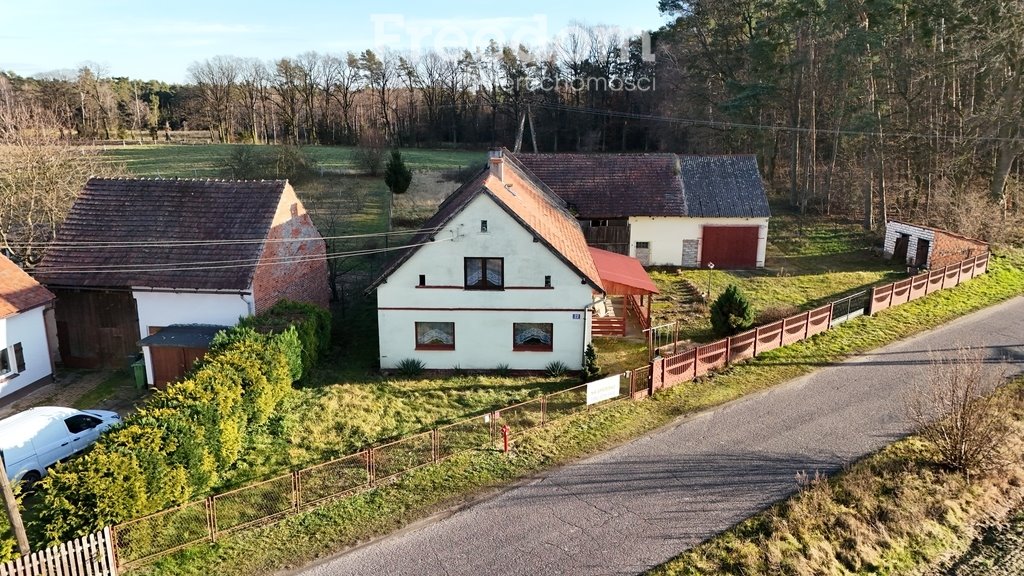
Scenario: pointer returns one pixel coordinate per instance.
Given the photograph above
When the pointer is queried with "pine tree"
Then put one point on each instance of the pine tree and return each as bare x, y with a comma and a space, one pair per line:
731, 312
396, 175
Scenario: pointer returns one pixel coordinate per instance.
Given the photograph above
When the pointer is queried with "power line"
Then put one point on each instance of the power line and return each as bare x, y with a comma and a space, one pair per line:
191, 266
187, 243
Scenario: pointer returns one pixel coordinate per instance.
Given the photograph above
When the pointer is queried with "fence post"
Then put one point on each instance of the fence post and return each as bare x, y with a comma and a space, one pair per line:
435, 441
728, 350
211, 517
371, 473
959, 272
296, 495
757, 336
544, 410
807, 325
113, 560
782, 333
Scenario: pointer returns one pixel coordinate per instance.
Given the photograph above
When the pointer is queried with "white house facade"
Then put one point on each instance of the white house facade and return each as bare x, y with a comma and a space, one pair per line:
503, 281
24, 346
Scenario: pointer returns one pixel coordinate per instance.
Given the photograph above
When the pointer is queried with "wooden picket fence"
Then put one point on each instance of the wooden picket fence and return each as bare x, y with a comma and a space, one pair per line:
91, 555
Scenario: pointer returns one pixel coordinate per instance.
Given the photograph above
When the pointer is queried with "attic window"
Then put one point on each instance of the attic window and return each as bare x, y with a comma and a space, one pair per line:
483, 225
485, 273
547, 281
423, 279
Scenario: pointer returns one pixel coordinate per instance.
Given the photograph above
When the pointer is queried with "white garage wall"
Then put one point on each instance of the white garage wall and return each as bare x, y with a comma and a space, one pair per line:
666, 235
161, 309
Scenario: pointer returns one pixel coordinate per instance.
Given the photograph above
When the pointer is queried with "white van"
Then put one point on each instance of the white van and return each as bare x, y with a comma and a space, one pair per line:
37, 438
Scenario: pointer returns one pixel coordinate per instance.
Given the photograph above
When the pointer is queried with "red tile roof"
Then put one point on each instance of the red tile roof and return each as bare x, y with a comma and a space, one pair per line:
18, 291
619, 269
113, 234
529, 202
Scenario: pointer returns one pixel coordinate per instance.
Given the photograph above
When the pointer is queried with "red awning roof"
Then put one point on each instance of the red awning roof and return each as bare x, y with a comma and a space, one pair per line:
622, 274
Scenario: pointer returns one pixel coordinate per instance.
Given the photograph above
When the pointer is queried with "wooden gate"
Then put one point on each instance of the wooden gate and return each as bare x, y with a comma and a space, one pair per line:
91, 555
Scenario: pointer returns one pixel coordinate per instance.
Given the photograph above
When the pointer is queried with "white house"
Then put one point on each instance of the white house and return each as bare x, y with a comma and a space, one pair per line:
503, 278
24, 349
136, 257
663, 209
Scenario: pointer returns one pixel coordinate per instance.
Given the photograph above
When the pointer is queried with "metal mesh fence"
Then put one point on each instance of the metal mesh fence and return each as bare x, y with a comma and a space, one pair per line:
564, 403
470, 434
522, 416
333, 478
163, 532
403, 455
253, 504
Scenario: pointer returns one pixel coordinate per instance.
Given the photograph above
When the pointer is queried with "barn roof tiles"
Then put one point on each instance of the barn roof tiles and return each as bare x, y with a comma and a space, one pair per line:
599, 186
178, 234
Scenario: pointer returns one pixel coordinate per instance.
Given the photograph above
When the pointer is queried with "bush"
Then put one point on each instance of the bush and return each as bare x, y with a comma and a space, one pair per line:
590, 367
244, 163
954, 411
312, 325
397, 176
775, 313
410, 367
556, 369
731, 312
180, 444
369, 156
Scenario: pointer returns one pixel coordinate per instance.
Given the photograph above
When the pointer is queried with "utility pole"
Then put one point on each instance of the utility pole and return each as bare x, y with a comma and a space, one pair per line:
13, 514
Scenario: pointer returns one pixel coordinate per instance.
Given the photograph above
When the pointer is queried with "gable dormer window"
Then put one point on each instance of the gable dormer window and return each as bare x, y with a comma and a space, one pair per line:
485, 273
483, 226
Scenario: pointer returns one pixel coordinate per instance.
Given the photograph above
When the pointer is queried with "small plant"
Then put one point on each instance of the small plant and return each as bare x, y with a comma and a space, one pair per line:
458, 370
731, 312
397, 176
556, 369
590, 367
503, 370
411, 367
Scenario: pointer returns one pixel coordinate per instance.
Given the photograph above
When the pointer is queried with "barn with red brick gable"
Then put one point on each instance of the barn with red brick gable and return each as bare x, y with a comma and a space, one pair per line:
155, 265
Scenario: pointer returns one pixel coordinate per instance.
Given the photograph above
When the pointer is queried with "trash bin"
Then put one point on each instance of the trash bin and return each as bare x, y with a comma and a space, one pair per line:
139, 366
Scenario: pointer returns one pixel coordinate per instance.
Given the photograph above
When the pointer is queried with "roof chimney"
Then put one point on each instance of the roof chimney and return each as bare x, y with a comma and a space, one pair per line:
497, 163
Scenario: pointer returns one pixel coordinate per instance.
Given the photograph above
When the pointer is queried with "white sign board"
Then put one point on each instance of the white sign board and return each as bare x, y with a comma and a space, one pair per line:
603, 389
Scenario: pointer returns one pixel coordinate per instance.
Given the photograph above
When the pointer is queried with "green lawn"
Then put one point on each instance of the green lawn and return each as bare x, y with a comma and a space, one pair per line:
207, 160
344, 523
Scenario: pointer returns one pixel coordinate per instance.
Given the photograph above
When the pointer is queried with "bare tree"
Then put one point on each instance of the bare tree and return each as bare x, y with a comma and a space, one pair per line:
958, 410
216, 80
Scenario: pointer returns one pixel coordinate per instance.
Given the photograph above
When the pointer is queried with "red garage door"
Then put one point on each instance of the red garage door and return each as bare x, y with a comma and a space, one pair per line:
730, 246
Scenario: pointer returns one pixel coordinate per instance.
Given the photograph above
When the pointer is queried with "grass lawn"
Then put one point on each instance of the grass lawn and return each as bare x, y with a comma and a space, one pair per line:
343, 523
810, 262
207, 160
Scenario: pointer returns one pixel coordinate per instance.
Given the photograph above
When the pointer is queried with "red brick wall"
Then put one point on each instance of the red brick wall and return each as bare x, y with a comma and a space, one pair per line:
951, 249
292, 270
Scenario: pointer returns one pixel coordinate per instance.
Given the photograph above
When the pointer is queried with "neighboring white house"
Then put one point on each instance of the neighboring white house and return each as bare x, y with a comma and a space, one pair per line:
24, 349
136, 257
504, 278
663, 209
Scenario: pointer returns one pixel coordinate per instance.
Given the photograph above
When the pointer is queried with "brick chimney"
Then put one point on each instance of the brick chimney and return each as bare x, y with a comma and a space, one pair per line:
497, 163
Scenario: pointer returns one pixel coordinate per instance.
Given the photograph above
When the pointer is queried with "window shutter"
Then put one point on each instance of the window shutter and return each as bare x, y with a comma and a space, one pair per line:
19, 357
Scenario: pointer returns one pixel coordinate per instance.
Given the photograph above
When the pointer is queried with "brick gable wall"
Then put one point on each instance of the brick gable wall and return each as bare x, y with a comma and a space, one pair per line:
292, 270
950, 249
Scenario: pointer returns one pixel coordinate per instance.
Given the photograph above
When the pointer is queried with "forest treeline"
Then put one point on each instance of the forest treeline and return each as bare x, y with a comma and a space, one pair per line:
881, 109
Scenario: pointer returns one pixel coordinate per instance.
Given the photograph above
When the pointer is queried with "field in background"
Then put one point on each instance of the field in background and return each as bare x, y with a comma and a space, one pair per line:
208, 160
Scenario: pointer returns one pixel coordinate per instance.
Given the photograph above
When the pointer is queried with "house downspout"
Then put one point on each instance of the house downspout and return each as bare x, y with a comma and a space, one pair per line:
586, 320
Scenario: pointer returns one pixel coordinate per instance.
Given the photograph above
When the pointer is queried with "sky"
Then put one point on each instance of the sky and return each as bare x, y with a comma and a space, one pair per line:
147, 39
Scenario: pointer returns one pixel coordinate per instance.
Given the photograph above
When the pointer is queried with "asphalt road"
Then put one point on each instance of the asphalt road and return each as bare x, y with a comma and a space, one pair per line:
634, 507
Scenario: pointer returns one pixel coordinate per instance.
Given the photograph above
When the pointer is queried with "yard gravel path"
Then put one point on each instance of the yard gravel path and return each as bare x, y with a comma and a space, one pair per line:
634, 507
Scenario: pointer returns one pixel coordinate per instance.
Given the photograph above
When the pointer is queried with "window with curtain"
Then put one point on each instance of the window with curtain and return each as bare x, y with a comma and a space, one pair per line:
485, 273
435, 336
532, 336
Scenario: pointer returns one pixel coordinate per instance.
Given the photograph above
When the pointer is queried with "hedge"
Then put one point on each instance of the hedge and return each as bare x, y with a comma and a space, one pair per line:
177, 447
312, 323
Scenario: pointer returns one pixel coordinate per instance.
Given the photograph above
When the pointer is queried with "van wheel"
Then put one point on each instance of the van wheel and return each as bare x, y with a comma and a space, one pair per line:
28, 481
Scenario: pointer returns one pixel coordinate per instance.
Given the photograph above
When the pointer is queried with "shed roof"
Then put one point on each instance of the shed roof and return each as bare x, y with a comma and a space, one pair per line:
184, 336
622, 274
18, 291
118, 231
624, 185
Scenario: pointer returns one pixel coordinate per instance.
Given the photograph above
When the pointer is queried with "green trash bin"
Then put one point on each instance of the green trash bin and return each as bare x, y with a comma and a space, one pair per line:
139, 366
